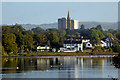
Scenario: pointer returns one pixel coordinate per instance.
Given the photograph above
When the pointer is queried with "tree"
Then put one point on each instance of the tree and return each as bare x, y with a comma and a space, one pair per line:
38, 30
116, 46
9, 43
40, 38
78, 34
20, 40
109, 35
99, 27
28, 39
118, 35
82, 27
101, 35
94, 36
53, 38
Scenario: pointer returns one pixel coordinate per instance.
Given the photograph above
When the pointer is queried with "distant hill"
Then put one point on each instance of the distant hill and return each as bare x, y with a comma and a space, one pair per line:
44, 26
105, 25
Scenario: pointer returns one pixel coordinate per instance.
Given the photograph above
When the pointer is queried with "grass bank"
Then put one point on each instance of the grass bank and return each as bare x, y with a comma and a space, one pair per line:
62, 54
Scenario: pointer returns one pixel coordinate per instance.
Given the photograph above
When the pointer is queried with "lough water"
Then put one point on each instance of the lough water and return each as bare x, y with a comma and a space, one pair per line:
58, 67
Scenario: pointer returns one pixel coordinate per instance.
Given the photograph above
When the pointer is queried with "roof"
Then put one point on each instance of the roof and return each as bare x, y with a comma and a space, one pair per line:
78, 38
68, 15
43, 45
104, 39
72, 42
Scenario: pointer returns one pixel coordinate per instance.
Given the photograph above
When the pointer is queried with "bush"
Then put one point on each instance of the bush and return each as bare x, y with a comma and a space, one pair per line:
110, 50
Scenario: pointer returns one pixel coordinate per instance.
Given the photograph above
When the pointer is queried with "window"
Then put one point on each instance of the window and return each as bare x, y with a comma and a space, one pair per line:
88, 44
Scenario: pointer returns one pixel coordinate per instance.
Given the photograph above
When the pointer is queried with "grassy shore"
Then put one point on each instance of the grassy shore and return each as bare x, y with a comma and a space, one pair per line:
62, 54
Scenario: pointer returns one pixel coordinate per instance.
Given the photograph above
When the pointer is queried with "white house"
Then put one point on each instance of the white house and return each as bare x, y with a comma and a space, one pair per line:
72, 46
75, 44
106, 42
43, 48
103, 44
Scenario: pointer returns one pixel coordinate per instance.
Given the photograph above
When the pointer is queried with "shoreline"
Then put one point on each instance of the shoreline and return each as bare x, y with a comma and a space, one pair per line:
49, 54
108, 55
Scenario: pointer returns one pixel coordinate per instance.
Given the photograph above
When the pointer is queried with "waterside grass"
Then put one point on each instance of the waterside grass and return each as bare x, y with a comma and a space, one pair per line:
62, 54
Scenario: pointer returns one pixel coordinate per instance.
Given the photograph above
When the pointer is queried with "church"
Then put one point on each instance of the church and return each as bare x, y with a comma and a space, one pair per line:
67, 23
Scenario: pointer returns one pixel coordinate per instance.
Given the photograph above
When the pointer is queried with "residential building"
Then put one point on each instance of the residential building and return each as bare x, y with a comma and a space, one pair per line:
75, 44
43, 48
74, 24
106, 42
62, 23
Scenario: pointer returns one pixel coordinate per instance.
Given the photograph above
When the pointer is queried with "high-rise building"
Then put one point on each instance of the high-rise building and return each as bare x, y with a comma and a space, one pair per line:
62, 23
67, 23
74, 24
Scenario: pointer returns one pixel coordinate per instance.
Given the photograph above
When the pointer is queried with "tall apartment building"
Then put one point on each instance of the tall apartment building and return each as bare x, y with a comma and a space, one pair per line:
67, 23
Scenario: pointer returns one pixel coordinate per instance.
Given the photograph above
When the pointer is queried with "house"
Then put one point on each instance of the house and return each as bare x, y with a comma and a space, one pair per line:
43, 48
103, 43
54, 50
75, 44
106, 42
83, 39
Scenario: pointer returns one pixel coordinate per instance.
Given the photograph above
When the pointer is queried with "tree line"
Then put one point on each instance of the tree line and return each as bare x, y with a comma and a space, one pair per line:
15, 39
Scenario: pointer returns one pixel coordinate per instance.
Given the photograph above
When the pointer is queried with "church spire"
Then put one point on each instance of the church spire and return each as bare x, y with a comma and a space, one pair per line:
68, 15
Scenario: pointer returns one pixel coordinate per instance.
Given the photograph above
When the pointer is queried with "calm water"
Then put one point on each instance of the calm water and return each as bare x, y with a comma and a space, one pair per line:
58, 67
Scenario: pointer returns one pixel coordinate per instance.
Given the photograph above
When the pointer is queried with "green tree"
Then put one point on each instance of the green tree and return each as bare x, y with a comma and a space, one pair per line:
40, 38
9, 43
116, 46
20, 40
109, 35
53, 38
28, 41
99, 27
82, 27
118, 35
78, 34
38, 30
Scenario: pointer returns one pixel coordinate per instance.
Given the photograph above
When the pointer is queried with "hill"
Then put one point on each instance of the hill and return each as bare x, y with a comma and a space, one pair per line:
105, 25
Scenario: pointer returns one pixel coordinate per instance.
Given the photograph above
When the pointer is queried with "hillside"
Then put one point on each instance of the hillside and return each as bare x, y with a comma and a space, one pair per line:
105, 25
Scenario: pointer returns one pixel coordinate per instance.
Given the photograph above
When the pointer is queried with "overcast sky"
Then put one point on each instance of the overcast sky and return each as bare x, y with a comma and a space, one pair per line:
49, 12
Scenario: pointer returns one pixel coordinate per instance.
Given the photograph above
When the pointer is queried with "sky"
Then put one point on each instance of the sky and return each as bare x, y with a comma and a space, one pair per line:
49, 12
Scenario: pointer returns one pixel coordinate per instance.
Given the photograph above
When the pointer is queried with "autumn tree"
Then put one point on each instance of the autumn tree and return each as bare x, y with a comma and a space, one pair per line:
9, 43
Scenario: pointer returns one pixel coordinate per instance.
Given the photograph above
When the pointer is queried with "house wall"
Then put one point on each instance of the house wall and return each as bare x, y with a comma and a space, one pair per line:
76, 47
85, 40
88, 45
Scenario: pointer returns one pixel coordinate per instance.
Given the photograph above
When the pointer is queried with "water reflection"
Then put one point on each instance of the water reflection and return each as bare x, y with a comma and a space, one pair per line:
77, 67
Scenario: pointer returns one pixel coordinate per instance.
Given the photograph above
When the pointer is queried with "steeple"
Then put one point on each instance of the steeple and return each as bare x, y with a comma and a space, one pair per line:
68, 15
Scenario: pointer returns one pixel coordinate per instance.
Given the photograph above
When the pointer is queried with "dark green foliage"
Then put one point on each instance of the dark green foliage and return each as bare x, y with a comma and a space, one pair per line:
40, 39
38, 30
99, 27
116, 46
53, 38
82, 27
116, 61
118, 34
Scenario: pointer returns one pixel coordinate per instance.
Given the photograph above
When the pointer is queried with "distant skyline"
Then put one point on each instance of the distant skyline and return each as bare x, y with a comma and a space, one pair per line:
49, 12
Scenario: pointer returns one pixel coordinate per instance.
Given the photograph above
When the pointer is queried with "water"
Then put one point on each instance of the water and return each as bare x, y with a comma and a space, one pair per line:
58, 67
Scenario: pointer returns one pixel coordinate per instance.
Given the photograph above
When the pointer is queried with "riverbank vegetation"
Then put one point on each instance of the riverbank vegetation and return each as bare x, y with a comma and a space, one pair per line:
18, 41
